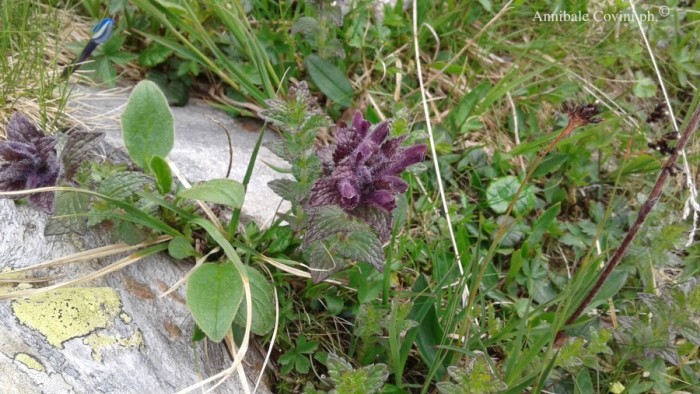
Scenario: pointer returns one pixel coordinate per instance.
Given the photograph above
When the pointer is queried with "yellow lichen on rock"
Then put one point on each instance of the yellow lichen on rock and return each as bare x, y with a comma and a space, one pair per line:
68, 313
29, 361
98, 341
125, 317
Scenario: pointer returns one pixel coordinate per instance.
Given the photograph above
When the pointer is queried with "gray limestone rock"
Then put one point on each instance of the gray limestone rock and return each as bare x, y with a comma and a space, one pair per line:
116, 334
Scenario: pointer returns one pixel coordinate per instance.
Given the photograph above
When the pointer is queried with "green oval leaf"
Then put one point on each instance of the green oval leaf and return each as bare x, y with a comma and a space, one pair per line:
218, 191
161, 170
263, 302
180, 248
214, 293
147, 124
501, 191
332, 82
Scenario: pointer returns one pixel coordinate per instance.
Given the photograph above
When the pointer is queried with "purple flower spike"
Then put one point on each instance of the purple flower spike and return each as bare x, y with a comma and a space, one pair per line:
361, 172
28, 160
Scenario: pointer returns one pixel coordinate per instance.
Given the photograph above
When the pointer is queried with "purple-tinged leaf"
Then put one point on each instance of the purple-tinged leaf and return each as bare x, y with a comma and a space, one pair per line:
21, 129
28, 160
77, 149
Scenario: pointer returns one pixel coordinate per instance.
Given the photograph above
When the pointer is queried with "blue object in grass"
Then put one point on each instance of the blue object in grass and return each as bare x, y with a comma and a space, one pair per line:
100, 34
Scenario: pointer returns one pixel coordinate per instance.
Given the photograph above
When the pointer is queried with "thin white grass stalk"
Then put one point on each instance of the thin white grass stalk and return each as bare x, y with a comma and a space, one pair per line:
226, 373
437, 40
40, 279
117, 265
91, 254
241, 373
399, 79
516, 129
182, 280
294, 271
201, 204
375, 106
432, 139
274, 332
692, 201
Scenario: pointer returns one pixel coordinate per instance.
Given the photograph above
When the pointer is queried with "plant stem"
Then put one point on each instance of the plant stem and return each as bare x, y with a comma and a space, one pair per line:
644, 211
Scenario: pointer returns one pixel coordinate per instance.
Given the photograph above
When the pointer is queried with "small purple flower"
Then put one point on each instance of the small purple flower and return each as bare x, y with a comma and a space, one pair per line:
361, 172
28, 160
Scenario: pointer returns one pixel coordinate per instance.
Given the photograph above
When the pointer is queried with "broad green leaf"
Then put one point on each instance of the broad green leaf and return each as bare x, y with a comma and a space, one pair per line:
218, 191
463, 117
305, 25
161, 170
122, 185
428, 335
289, 189
214, 294
69, 214
502, 191
328, 220
322, 262
362, 246
542, 224
263, 304
147, 124
180, 248
334, 303
330, 80
612, 285
583, 383
79, 145
645, 87
127, 232
549, 164
154, 55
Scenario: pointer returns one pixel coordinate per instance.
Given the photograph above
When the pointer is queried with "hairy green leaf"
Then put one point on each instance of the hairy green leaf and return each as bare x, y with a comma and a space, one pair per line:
180, 248
288, 189
122, 185
69, 214
330, 80
218, 191
161, 170
347, 380
147, 124
214, 294
263, 304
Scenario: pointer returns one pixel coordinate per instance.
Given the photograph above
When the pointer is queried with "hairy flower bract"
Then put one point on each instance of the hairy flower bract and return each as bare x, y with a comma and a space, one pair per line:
361, 172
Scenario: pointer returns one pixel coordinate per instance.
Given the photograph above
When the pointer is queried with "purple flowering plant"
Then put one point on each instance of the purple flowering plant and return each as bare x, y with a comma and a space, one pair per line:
361, 172
343, 195
28, 160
